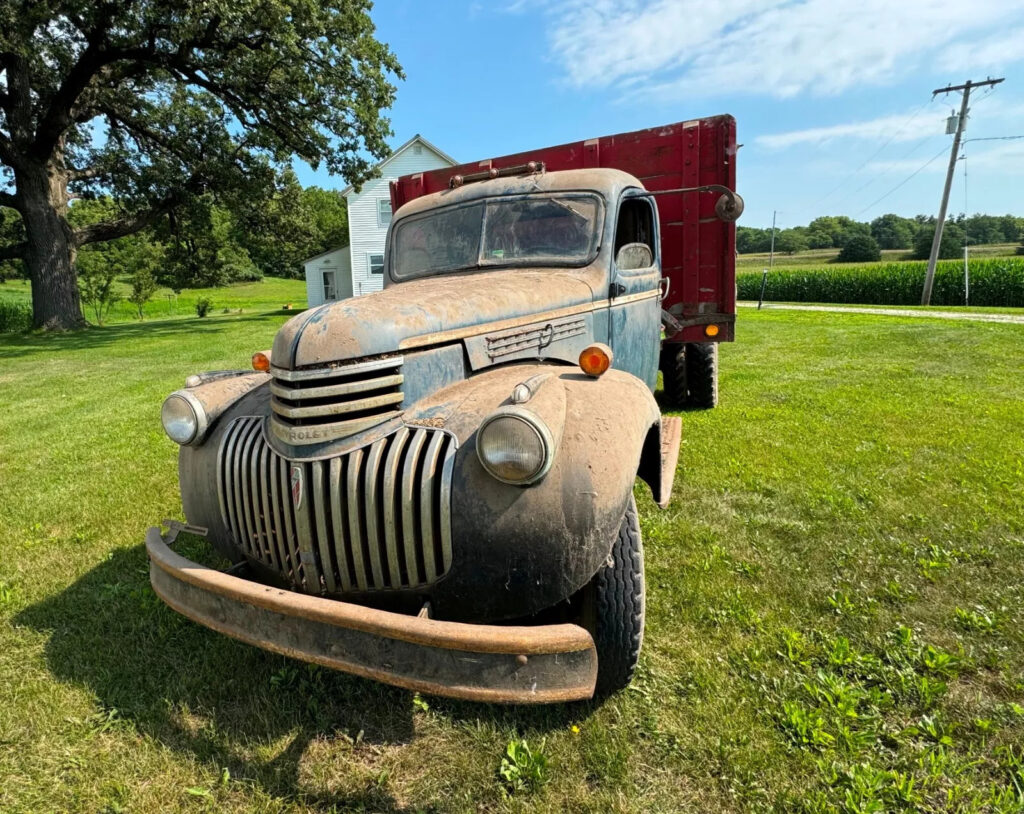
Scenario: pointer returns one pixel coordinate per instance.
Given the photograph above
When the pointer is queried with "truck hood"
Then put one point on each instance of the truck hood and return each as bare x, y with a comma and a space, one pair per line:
388, 320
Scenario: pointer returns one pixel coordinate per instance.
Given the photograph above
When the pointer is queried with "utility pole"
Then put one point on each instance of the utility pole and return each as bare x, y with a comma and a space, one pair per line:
926, 295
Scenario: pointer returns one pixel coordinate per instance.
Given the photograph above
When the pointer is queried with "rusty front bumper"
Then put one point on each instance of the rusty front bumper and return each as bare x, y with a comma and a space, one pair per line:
521, 665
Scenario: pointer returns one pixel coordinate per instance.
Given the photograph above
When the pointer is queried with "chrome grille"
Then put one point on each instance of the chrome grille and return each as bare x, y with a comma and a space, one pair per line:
321, 404
375, 518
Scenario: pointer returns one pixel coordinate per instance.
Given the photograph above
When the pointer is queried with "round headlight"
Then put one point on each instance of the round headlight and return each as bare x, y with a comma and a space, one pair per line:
514, 448
183, 418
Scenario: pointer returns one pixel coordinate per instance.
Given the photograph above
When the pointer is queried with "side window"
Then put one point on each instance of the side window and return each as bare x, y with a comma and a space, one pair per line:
383, 211
636, 229
376, 263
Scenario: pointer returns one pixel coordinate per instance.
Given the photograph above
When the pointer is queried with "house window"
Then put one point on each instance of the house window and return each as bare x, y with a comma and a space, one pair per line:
330, 289
376, 262
383, 211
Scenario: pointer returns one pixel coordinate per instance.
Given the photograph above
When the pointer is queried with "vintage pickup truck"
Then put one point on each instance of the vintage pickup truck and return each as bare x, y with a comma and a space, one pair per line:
433, 485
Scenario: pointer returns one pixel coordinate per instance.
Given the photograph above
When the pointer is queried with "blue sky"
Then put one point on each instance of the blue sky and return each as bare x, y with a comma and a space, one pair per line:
832, 98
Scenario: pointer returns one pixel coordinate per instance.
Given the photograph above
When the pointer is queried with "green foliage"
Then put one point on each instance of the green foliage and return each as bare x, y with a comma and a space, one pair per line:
203, 306
523, 768
951, 245
144, 286
994, 282
790, 241
12, 231
893, 232
291, 226
860, 248
14, 316
96, 281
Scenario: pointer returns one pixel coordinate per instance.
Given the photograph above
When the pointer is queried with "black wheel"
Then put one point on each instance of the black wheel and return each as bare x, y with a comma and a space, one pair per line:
702, 375
618, 608
673, 374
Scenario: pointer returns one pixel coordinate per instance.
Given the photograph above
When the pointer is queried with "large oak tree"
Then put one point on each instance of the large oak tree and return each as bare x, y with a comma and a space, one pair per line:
158, 101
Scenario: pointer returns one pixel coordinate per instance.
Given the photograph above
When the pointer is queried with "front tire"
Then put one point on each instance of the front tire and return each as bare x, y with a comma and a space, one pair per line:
618, 601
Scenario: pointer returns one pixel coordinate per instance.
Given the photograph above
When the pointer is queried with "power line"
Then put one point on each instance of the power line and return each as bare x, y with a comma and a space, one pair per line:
904, 181
871, 157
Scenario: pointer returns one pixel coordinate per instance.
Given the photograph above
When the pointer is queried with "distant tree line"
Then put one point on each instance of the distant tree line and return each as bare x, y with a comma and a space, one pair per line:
208, 242
860, 240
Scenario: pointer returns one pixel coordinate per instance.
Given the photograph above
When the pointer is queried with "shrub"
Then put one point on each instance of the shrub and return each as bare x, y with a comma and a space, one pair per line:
14, 317
994, 282
203, 306
860, 249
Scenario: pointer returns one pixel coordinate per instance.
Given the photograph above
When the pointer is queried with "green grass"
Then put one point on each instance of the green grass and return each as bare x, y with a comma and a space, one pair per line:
834, 602
820, 257
269, 294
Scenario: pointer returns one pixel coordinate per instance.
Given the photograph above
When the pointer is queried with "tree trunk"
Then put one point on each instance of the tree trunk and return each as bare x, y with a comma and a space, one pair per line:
50, 255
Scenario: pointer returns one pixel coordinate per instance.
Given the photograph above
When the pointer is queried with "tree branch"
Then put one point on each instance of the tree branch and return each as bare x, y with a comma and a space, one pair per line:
123, 227
15, 251
85, 174
10, 200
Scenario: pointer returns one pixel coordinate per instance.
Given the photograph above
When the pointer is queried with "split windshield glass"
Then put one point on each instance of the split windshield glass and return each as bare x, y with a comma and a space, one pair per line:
525, 230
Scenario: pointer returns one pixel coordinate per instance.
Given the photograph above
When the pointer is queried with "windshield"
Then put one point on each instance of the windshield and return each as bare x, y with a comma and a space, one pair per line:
560, 230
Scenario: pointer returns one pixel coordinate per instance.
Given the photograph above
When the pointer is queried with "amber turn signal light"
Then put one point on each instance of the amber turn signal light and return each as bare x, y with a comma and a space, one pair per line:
261, 361
711, 330
596, 359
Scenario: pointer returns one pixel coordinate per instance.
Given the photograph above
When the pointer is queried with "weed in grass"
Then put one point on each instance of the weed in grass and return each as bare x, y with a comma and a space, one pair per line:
977, 619
523, 768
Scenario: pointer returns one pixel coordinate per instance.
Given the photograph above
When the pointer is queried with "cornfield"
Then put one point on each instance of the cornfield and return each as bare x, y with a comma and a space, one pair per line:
993, 282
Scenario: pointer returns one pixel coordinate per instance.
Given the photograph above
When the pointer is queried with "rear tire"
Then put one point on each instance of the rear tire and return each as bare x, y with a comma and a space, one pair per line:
702, 375
618, 618
673, 375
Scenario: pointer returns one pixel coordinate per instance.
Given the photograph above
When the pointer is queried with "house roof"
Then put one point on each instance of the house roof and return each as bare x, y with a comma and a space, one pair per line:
415, 139
323, 254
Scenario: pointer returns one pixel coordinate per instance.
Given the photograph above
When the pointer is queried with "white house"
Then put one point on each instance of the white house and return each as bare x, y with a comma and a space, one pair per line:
359, 268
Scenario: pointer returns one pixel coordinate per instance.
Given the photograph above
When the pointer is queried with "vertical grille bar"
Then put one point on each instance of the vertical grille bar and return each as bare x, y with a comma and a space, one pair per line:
355, 530
445, 508
374, 534
428, 518
228, 483
316, 501
280, 538
298, 567
411, 540
339, 526
269, 546
392, 511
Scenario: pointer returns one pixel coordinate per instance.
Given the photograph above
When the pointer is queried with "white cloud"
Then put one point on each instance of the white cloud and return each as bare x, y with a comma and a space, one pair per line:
895, 127
670, 49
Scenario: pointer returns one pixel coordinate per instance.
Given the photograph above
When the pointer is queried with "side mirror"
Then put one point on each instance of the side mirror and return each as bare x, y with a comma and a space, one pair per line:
634, 256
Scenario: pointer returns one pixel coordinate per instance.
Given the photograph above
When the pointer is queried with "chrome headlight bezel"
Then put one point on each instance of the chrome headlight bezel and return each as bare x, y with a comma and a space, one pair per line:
199, 415
539, 428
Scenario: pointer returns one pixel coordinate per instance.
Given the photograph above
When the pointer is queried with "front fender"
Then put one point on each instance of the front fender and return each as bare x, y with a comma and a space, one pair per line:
518, 550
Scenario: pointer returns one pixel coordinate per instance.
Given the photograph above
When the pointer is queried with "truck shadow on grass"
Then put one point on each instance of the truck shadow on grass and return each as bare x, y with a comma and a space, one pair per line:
223, 702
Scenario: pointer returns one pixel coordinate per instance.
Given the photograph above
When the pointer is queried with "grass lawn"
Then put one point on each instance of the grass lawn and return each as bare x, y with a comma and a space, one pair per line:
269, 294
834, 601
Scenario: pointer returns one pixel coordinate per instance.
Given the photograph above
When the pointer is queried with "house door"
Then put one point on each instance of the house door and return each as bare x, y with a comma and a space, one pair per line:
330, 284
